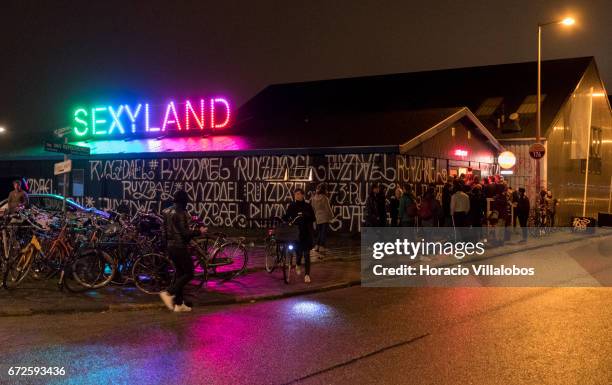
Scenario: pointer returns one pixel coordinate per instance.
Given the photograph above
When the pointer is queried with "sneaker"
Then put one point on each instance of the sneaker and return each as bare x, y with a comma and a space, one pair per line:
307, 278
181, 308
167, 299
297, 270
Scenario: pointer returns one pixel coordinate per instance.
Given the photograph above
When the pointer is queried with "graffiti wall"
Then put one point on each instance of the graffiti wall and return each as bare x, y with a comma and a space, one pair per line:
246, 191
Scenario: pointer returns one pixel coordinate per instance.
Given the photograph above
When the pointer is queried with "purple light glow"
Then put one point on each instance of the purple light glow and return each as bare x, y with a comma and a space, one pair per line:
169, 145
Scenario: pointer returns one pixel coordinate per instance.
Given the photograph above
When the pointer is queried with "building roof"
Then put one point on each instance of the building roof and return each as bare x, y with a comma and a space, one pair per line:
288, 105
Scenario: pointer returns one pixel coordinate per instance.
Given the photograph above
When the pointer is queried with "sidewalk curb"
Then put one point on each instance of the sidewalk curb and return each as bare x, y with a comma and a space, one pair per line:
158, 305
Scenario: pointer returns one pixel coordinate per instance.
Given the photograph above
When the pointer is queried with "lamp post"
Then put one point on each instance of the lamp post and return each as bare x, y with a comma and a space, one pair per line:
567, 21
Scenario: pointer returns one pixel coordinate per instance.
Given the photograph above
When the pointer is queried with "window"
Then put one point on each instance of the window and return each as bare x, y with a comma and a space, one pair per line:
530, 104
596, 141
489, 106
78, 183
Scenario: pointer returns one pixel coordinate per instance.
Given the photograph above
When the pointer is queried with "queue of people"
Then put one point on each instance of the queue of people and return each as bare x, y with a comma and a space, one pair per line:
464, 201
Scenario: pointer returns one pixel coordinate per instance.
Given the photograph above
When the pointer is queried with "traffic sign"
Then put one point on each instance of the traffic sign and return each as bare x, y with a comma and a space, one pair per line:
62, 167
537, 151
68, 149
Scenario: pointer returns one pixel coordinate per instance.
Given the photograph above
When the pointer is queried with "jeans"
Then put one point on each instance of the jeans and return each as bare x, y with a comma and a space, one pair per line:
322, 233
303, 252
184, 272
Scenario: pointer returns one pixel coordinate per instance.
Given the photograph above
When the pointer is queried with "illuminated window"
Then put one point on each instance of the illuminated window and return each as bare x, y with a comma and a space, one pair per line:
489, 106
530, 104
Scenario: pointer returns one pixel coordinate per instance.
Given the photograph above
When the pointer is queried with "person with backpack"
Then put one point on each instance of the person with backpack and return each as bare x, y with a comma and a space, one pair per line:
408, 208
429, 210
323, 214
177, 235
304, 216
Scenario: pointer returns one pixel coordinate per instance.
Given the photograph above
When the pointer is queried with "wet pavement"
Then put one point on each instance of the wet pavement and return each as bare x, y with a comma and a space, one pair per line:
339, 268
354, 335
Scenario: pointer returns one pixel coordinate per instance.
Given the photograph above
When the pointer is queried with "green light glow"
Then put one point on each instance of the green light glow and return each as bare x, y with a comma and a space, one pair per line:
83, 130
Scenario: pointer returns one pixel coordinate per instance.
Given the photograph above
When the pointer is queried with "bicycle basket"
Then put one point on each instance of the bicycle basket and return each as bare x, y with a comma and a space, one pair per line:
287, 233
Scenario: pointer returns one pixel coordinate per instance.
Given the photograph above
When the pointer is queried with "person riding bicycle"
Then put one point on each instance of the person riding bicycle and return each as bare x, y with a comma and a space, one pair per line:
304, 216
177, 235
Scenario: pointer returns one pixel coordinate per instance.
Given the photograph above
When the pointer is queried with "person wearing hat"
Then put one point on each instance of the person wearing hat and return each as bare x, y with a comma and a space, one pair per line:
522, 212
17, 198
177, 235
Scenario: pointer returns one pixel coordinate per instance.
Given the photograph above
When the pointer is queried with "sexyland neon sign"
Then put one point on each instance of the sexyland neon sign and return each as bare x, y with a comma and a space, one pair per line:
203, 116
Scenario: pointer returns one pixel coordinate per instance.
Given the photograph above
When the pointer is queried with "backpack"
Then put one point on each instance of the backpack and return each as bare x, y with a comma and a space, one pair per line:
411, 208
426, 210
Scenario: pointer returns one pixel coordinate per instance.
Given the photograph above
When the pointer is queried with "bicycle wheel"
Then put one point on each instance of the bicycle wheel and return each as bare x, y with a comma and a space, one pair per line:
288, 266
93, 269
270, 255
18, 269
229, 260
153, 273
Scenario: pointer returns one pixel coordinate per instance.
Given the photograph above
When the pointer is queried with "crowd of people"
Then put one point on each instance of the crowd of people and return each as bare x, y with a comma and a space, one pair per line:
463, 202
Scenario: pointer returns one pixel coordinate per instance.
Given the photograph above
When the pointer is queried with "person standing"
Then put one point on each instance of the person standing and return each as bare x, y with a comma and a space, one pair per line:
478, 206
407, 208
429, 210
381, 202
17, 198
372, 217
552, 207
323, 215
522, 212
447, 193
394, 206
177, 235
459, 207
304, 216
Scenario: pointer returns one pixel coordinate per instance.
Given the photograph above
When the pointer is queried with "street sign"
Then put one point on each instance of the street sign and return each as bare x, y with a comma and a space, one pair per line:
68, 149
61, 132
537, 151
62, 167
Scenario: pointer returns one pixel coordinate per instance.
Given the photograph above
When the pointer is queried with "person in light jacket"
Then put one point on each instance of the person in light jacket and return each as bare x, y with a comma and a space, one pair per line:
323, 215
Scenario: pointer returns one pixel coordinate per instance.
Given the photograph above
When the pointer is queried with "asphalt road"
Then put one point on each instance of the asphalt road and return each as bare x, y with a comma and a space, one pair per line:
355, 335
349, 336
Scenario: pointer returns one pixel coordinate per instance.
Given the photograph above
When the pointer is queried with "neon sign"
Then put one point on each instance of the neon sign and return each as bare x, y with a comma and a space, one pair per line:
204, 116
460, 152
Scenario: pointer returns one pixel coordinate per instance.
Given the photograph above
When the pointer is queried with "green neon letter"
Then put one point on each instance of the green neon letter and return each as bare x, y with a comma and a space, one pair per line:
95, 121
80, 131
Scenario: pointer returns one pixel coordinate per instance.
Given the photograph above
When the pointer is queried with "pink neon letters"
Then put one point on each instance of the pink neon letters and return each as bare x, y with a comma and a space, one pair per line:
204, 115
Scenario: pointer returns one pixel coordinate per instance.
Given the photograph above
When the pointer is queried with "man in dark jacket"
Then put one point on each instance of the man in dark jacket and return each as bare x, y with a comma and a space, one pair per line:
304, 216
372, 216
522, 212
177, 235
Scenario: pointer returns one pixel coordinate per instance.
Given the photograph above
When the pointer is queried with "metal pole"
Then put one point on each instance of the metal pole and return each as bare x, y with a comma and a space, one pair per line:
538, 108
65, 181
588, 155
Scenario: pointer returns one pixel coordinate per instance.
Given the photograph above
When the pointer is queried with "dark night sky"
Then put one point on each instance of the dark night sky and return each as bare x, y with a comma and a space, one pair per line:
57, 54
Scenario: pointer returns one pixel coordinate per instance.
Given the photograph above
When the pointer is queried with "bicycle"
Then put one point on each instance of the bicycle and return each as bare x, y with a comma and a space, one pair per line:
279, 249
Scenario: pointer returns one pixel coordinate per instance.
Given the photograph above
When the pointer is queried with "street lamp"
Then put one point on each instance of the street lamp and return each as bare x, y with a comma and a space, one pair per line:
566, 21
2, 130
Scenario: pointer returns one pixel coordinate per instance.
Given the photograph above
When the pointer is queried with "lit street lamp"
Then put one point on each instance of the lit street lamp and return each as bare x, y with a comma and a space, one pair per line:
2, 130
567, 21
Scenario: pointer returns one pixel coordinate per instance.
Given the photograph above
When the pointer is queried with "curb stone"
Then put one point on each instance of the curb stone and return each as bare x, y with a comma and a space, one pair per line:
158, 305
